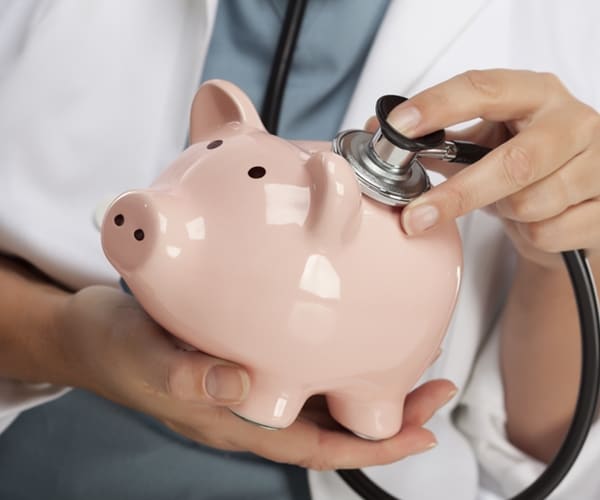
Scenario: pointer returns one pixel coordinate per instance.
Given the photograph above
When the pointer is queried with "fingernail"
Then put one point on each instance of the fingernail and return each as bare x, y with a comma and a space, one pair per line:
226, 383
428, 447
405, 120
451, 394
420, 218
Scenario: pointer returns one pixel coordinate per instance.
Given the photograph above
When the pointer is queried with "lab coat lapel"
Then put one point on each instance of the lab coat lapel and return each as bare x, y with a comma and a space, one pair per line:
402, 51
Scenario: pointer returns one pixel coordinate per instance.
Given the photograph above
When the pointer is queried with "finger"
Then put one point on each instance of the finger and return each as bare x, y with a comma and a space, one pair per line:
576, 228
307, 445
372, 124
340, 451
195, 376
494, 95
568, 186
156, 359
531, 155
486, 133
529, 253
313, 446
424, 401
483, 132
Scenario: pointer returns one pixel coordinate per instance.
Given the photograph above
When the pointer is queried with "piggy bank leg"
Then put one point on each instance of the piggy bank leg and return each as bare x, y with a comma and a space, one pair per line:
367, 418
270, 403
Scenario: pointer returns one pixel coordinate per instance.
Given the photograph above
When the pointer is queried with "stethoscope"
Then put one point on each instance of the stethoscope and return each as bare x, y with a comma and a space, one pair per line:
388, 168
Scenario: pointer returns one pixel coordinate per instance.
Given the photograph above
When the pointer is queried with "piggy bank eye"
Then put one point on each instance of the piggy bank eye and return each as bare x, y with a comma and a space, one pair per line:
138, 234
257, 172
214, 144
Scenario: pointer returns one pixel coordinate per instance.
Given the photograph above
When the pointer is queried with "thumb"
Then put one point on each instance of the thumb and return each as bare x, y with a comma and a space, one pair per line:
195, 376
125, 354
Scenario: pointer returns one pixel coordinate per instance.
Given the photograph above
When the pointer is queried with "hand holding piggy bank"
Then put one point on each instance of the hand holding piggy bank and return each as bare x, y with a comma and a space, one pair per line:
264, 252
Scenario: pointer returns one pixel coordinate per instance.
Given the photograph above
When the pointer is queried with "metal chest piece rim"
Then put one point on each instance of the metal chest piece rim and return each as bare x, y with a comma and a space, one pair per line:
394, 184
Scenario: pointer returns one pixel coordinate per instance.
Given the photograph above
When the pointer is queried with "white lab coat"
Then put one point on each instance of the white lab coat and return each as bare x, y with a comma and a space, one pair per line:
94, 98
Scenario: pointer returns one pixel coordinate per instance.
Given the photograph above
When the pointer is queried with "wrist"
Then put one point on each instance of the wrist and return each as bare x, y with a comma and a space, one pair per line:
71, 342
51, 354
89, 340
29, 308
535, 289
533, 273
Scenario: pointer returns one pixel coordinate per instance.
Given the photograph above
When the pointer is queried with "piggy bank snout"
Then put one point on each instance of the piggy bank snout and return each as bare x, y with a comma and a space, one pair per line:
129, 230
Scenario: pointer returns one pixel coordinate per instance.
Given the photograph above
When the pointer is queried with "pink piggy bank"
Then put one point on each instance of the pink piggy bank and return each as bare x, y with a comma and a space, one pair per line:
264, 252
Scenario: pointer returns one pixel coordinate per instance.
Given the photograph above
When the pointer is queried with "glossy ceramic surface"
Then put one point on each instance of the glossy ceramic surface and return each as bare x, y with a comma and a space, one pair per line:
264, 252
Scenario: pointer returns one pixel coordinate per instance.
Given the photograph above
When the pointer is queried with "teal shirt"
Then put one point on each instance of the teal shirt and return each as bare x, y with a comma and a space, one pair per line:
334, 41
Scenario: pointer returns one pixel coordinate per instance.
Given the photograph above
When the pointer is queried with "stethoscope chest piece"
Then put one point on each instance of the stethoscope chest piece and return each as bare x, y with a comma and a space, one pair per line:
387, 163
394, 185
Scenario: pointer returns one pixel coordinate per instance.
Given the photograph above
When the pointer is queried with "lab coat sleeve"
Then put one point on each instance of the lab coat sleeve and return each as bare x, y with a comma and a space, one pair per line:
15, 18
16, 397
505, 469
81, 122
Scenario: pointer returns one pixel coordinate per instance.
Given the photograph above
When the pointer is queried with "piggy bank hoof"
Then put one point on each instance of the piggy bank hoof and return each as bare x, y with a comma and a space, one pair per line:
368, 419
258, 424
270, 405
364, 436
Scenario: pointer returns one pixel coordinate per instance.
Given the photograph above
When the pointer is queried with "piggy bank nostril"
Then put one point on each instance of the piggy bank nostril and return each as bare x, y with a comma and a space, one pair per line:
138, 234
119, 219
214, 144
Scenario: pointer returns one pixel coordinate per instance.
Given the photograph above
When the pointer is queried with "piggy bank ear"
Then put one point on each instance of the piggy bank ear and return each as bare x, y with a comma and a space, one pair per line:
335, 197
218, 103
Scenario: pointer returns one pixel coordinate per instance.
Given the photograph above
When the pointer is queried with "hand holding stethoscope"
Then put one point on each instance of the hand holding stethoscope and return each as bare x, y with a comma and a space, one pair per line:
543, 181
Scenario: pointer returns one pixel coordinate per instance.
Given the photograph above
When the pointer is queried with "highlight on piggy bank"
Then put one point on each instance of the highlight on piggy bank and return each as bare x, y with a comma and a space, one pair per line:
264, 252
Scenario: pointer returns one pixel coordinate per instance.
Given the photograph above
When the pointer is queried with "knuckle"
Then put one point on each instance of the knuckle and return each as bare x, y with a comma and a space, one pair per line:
482, 82
314, 462
519, 207
321, 465
541, 237
458, 201
177, 378
590, 120
436, 98
552, 84
221, 442
517, 167
315, 457
563, 194
170, 385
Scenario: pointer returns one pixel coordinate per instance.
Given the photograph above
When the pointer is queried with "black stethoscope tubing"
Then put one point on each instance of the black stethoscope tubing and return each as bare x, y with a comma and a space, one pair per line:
575, 261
